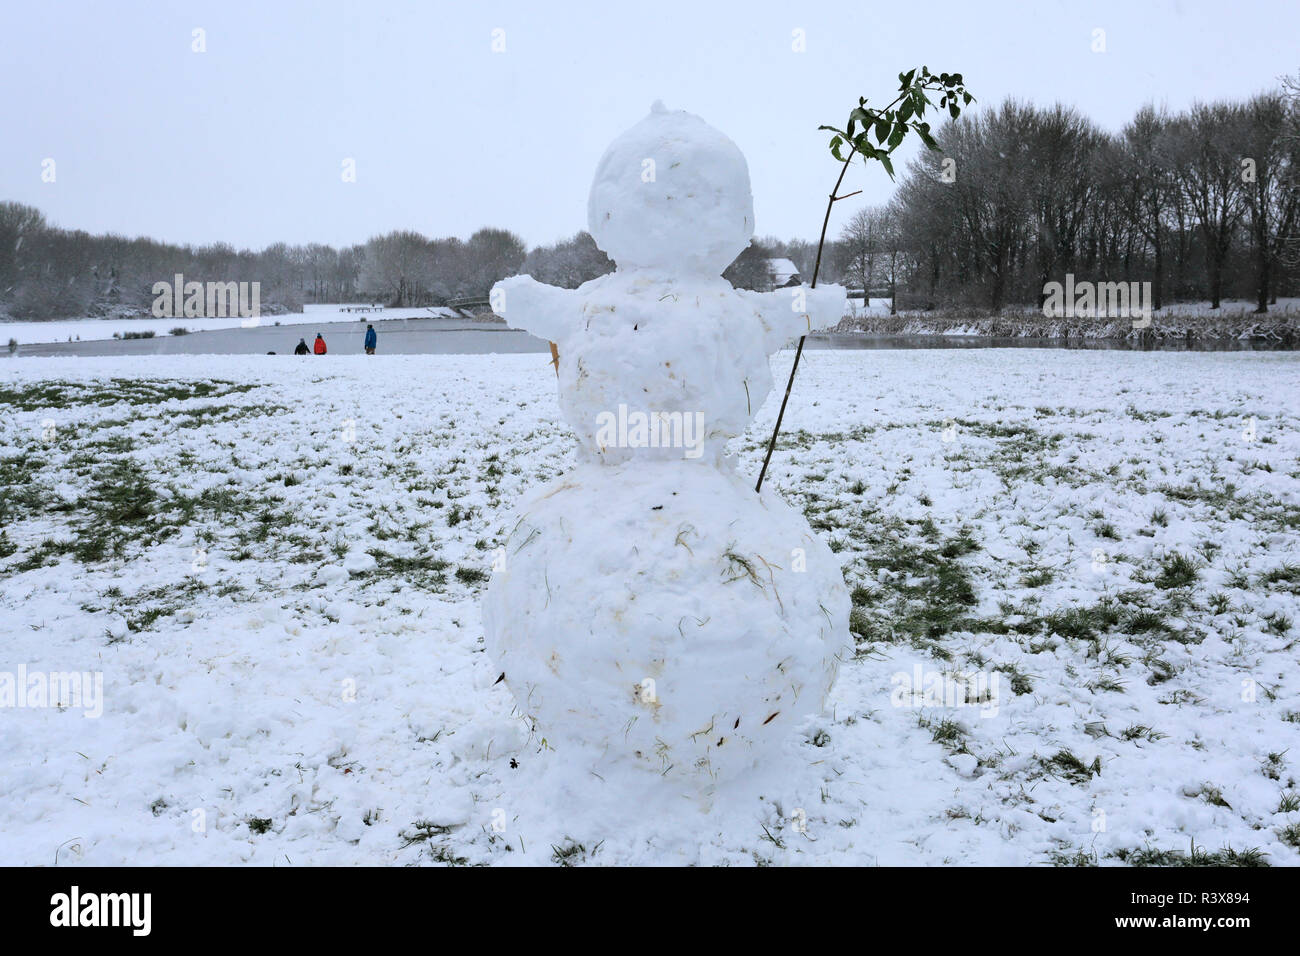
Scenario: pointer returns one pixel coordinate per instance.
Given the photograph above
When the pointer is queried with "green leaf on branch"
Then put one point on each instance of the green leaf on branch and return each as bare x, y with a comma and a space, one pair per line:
891, 125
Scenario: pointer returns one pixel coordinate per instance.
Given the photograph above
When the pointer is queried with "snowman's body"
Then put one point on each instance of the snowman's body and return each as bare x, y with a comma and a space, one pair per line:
653, 611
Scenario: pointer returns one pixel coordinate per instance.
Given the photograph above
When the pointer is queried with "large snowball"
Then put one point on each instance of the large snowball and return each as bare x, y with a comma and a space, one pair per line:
666, 617
672, 193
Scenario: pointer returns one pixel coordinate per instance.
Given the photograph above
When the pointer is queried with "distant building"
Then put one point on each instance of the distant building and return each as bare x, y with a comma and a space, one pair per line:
782, 273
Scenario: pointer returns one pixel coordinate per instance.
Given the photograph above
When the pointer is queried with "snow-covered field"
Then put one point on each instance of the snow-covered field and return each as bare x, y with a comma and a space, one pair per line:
277, 570
63, 330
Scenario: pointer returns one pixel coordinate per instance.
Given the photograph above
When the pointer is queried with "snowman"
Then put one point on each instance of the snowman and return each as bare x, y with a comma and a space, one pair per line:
656, 619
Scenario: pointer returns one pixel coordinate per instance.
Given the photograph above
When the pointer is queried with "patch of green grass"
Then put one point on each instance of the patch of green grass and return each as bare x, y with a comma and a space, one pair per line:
1285, 578
1020, 682
42, 553
1290, 835
63, 395
1037, 579
1219, 498
1273, 765
1066, 765
1145, 621
22, 494
568, 853
1083, 623
424, 571
1220, 603
421, 830
471, 575
863, 596
441, 854
1141, 732
928, 592
1177, 570
1105, 682
1077, 858
947, 731
1198, 856
1275, 622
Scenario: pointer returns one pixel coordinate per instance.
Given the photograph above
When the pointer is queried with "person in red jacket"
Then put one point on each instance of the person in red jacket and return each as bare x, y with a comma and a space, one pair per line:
319, 347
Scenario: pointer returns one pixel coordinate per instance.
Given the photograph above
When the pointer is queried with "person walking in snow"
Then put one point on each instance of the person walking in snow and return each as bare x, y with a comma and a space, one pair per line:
319, 347
372, 338
302, 348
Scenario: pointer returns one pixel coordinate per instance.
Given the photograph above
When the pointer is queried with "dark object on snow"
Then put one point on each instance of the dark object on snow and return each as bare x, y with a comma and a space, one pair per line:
372, 338
270, 353
302, 348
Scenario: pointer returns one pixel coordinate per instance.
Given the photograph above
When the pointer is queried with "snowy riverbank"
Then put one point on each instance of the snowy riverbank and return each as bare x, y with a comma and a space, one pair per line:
1233, 321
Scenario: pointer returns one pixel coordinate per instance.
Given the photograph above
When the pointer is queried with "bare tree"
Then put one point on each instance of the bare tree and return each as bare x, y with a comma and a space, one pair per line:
1151, 187
1208, 168
856, 249
18, 224
491, 255
568, 263
397, 267
1267, 185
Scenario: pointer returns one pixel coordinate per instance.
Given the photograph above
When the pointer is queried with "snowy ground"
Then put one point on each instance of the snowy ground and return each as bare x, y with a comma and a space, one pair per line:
277, 570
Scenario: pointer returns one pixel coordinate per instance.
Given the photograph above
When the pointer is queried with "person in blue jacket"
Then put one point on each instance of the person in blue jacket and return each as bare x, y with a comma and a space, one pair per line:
372, 338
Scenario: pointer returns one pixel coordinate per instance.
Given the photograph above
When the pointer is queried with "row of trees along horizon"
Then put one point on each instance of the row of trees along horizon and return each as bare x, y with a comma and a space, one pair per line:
1204, 204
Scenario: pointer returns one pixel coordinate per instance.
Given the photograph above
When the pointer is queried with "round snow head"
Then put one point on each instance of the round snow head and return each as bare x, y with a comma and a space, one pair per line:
672, 193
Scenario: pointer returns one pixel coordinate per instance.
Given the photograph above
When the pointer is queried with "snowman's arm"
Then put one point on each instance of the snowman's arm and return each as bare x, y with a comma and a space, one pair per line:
789, 313
546, 311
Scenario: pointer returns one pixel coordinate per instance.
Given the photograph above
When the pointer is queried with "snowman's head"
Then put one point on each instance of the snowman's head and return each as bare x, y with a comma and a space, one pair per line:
672, 193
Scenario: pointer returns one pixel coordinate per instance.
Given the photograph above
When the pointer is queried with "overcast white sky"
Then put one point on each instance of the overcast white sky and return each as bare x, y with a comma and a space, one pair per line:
244, 143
